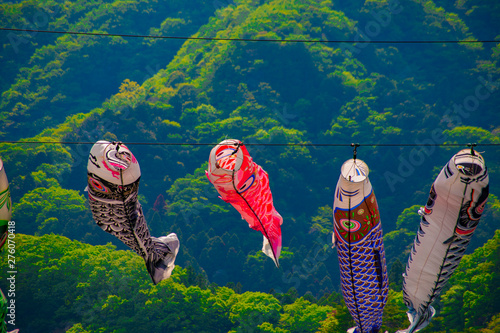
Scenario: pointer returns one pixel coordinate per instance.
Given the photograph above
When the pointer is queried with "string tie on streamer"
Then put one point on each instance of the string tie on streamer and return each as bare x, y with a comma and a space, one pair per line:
355, 150
472, 145
237, 144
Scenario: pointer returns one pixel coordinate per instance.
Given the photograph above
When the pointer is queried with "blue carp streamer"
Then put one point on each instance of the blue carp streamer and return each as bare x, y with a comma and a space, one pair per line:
358, 237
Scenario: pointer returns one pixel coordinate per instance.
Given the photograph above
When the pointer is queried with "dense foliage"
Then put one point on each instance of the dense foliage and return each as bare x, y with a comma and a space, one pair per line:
79, 88
77, 287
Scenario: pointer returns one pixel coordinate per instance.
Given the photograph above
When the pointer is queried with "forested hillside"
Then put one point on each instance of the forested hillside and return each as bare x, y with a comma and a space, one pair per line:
406, 104
75, 287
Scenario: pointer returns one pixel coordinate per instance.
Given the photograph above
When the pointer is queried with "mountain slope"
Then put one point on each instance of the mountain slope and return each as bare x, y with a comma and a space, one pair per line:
260, 92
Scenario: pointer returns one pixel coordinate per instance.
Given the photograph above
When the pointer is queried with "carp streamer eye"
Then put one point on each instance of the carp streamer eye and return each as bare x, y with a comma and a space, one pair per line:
350, 225
247, 184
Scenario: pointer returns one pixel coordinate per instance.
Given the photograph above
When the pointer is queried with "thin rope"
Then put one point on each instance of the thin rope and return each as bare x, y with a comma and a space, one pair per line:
353, 285
105, 34
248, 204
122, 194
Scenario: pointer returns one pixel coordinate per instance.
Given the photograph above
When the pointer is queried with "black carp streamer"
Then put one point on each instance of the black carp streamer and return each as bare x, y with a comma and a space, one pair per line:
113, 176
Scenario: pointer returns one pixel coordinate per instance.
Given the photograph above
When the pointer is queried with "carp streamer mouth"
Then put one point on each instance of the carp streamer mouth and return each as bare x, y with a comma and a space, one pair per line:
118, 159
469, 163
354, 170
226, 158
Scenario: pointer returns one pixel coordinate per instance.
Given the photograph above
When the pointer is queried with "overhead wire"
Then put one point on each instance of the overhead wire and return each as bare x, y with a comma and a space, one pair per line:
301, 144
106, 34
252, 40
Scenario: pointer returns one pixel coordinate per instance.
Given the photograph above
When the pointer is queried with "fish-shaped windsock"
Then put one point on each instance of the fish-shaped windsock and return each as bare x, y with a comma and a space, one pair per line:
245, 185
3, 313
5, 205
448, 220
113, 176
5, 216
358, 238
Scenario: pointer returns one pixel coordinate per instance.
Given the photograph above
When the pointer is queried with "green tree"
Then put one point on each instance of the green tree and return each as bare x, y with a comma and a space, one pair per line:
394, 317
302, 316
77, 328
474, 287
51, 209
252, 309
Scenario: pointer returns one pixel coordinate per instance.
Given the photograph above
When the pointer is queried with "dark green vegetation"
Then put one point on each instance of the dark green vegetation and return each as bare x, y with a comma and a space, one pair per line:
64, 284
84, 88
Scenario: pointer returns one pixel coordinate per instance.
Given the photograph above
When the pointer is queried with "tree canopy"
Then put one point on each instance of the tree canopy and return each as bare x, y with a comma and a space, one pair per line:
410, 106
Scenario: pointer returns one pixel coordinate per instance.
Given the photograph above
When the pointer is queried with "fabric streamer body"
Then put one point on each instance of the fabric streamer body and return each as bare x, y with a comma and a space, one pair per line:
358, 238
452, 213
5, 205
113, 175
5, 218
3, 314
245, 185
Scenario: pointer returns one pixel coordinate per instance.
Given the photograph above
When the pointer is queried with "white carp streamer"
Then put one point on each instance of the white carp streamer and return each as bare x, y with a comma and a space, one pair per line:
456, 202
